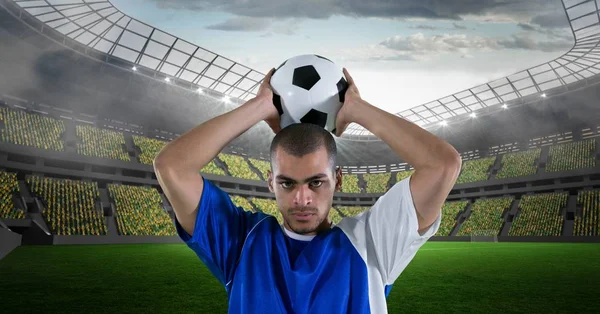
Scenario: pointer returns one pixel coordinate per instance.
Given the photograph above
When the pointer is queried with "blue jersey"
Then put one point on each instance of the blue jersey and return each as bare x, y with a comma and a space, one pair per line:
266, 268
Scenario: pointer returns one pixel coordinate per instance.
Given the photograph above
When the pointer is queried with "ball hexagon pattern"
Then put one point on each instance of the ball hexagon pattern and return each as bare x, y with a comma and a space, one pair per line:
308, 89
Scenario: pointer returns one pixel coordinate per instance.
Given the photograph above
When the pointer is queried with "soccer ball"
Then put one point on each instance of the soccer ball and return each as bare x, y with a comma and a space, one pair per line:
308, 89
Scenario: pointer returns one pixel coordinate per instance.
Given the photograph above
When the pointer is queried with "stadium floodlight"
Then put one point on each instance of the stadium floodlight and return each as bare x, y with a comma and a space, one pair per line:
444, 123
544, 95
504, 106
226, 99
473, 115
200, 91
134, 68
167, 79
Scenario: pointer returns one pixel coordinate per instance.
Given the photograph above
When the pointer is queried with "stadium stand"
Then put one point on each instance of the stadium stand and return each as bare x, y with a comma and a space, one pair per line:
350, 183
241, 202
268, 206
261, 165
377, 182
69, 205
27, 129
238, 167
139, 211
149, 148
100, 143
540, 215
519, 164
9, 186
334, 216
486, 217
449, 212
476, 170
351, 211
587, 222
401, 175
574, 155
212, 168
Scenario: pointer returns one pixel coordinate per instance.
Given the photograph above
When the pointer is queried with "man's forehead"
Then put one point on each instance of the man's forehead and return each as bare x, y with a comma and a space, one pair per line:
301, 167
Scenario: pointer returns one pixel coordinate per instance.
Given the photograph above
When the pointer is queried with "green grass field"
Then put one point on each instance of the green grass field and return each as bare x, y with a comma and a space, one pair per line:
442, 278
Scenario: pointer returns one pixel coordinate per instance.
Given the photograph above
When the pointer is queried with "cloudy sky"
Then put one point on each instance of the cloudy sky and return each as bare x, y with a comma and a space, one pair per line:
401, 53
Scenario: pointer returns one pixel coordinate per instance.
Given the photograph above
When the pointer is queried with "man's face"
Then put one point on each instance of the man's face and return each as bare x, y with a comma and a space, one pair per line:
304, 188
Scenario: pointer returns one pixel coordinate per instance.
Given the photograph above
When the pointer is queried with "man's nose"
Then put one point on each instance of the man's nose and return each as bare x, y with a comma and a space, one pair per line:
303, 196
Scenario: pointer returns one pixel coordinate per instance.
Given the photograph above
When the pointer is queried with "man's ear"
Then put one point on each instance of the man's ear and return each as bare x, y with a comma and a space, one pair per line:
338, 179
270, 181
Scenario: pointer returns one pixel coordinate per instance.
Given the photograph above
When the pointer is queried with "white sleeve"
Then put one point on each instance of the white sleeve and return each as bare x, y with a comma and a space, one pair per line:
389, 230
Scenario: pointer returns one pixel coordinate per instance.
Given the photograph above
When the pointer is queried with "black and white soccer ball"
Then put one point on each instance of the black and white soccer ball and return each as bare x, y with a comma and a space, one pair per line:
308, 89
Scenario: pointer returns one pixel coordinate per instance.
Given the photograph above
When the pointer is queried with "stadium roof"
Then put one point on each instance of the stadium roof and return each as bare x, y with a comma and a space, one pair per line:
101, 26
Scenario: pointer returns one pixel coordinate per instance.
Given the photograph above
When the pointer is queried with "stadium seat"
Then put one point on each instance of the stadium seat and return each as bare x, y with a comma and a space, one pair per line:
238, 167
139, 211
377, 183
242, 202
540, 215
261, 165
101, 143
486, 217
449, 212
574, 155
27, 129
350, 183
8, 186
69, 205
149, 148
268, 206
518, 164
587, 222
476, 170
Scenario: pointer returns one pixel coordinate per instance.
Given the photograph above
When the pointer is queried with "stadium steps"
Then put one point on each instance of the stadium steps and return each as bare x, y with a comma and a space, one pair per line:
111, 225
70, 137
391, 181
462, 217
222, 165
509, 216
39, 219
544, 159
362, 184
132, 150
571, 210
254, 169
496, 167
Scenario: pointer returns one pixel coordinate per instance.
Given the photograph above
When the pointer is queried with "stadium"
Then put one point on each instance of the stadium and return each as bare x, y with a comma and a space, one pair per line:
85, 226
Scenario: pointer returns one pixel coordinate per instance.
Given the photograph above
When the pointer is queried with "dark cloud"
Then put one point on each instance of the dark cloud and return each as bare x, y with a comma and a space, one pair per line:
528, 43
458, 26
557, 19
526, 27
551, 33
424, 27
321, 9
419, 44
244, 24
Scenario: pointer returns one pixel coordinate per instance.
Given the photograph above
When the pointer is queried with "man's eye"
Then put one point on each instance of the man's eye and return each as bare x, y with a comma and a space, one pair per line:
316, 184
286, 185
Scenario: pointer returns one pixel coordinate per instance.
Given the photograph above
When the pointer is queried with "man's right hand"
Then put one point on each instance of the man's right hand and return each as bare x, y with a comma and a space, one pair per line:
265, 96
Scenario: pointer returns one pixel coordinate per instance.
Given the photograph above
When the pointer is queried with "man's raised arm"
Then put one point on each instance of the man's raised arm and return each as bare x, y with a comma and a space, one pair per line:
178, 164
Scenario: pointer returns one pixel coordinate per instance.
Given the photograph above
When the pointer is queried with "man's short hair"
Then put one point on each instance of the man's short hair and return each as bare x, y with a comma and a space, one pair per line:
301, 139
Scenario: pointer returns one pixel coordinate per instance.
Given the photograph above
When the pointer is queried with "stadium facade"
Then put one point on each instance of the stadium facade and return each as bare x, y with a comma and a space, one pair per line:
82, 65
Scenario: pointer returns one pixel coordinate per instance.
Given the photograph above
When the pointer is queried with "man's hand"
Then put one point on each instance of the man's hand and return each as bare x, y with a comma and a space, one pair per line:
351, 100
265, 96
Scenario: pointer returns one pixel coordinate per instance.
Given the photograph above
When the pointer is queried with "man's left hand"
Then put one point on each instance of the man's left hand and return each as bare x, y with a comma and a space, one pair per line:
351, 100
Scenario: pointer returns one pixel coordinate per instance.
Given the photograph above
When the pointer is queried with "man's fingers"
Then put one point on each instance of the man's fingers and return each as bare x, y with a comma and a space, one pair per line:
267, 78
348, 77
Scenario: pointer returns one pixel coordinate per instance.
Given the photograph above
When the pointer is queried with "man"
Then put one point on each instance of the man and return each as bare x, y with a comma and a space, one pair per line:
307, 265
